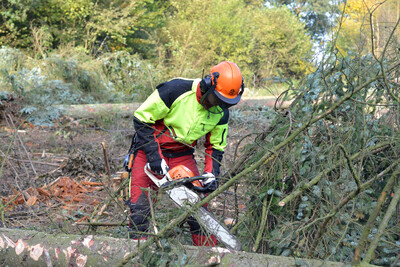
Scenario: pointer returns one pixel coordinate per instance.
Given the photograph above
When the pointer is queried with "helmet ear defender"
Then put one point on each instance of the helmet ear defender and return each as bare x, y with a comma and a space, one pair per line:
207, 82
241, 88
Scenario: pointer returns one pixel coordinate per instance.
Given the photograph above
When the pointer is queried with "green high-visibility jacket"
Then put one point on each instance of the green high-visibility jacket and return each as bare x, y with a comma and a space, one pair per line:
178, 120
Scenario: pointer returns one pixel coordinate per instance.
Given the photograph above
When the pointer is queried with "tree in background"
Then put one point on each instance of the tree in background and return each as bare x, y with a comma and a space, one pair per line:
15, 26
51, 24
280, 42
318, 15
145, 41
259, 39
365, 18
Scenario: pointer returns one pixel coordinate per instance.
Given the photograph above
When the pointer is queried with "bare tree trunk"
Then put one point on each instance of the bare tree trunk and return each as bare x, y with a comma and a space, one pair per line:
377, 36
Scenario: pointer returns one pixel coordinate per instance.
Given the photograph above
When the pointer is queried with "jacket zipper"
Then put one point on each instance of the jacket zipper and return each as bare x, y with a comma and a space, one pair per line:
222, 140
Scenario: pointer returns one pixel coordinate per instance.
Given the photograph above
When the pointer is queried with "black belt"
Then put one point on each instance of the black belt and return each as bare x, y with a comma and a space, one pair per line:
177, 154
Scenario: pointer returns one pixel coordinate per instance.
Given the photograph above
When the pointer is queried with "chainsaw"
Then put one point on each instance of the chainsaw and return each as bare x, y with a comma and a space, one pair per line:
176, 184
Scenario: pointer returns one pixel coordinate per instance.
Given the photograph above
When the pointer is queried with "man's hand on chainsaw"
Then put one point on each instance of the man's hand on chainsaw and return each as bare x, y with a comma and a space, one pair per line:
158, 167
209, 185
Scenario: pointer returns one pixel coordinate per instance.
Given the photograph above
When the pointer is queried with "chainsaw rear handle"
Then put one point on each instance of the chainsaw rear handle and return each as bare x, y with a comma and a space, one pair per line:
158, 182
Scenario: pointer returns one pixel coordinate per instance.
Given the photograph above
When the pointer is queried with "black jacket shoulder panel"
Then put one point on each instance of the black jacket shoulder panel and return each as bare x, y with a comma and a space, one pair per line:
171, 90
225, 118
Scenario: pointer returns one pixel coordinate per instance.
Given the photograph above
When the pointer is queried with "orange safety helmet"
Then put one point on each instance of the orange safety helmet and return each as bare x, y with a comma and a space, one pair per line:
229, 86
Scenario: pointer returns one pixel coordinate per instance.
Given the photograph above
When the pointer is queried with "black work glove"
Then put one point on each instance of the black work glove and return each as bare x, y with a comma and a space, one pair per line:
209, 185
159, 167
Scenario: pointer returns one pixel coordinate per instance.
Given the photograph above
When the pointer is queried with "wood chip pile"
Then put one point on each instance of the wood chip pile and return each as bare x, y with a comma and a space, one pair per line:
64, 190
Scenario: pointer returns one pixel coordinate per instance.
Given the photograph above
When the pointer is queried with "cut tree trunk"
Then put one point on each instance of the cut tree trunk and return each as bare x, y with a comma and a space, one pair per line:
32, 248
88, 110
127, 110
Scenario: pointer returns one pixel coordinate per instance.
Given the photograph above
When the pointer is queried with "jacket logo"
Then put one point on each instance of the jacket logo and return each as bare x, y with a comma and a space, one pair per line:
232, 92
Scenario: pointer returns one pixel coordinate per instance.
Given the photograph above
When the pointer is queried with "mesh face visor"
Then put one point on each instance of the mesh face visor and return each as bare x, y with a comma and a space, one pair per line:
221, 104
225, 102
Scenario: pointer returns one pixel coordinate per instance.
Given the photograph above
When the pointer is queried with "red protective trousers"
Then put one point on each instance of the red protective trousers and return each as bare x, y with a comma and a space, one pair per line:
139, 202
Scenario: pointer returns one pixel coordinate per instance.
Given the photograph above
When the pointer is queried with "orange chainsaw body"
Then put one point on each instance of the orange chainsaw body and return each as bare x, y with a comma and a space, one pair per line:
182, 172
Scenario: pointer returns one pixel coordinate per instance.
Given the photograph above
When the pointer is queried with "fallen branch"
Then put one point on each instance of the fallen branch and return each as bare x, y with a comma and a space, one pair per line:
372, 218
316, 179
101, 224
36, 162
7, 153
350, 165
10, 121
392, 207
351, 196
264, 217
111, 197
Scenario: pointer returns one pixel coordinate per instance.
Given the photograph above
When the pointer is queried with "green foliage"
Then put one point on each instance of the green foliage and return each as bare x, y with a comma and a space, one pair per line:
130, 74
355, 125
43, 96
144, 41
74, 79
14, 28
277, 33
11, 59
362, 17
4, 96
61, 82
92, 25
257, 113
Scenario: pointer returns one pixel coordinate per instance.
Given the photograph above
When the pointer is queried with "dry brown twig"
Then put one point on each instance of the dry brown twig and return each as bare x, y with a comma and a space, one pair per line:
11, 125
